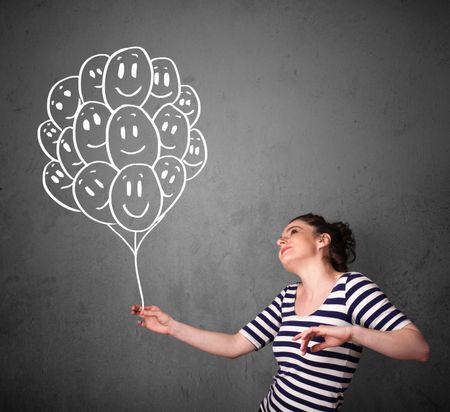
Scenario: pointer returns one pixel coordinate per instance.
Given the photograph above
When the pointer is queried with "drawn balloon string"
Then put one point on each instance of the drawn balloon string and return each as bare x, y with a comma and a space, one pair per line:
121, 141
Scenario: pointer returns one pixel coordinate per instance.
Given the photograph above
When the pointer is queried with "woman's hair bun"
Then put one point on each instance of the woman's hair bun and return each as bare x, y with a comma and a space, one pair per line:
343, 243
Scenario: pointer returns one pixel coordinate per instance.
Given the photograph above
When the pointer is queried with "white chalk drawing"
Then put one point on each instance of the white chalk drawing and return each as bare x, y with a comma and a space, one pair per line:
121, 141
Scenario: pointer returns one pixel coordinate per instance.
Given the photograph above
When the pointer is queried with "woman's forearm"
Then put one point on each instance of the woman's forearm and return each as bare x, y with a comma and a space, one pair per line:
215, 343
404, 344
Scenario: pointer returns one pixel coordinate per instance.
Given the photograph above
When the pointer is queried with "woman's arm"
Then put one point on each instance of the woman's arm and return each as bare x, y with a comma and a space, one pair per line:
405, 344
215, 343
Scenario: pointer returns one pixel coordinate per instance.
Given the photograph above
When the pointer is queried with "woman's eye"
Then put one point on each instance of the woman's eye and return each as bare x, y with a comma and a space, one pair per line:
293, 231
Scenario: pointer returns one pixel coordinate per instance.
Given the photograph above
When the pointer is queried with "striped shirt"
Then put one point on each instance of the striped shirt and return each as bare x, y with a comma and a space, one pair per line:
317, 381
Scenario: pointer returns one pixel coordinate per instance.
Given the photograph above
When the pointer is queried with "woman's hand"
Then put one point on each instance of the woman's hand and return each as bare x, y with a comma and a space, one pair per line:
334, 336
153, 318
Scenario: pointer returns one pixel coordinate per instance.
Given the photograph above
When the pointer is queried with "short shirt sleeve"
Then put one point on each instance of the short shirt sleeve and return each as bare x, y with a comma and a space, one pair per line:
263, 329
369, 307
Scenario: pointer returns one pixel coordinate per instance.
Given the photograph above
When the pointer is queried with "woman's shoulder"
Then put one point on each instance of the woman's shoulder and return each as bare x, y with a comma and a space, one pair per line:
357, 281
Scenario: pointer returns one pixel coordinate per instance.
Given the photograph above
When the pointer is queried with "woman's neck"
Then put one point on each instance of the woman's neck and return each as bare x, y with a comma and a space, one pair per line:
317, 279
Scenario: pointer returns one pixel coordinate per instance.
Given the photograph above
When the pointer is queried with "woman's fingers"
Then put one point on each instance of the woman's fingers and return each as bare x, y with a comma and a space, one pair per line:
319, 347
148, 310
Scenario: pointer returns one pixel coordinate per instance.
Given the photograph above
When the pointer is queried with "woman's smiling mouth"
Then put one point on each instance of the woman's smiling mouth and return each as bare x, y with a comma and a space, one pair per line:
283, 249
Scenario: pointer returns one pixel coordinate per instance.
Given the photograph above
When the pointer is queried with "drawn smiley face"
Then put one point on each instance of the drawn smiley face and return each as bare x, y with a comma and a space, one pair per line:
173, 129
58, 185
90, 131
48, 136
196, 155
189, 103
67, 153
166, 79
172, 176
128, 77
91, 191
132, 137
136, 197
91, 78
63, 101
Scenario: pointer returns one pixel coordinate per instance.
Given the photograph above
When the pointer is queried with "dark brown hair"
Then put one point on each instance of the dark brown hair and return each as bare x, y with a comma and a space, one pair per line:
342, 244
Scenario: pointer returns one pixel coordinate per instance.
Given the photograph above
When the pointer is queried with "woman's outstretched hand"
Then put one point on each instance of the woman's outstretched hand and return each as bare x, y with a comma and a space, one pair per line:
153, 318
334, 336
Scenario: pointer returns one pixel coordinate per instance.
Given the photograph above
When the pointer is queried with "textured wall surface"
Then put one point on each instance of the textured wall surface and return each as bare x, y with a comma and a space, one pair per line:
339, 108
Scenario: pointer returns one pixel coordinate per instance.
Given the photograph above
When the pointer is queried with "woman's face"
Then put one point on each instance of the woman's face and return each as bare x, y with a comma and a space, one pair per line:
297, 242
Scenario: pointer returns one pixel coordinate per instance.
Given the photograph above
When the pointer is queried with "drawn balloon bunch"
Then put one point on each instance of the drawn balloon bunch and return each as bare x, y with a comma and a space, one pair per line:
122, 143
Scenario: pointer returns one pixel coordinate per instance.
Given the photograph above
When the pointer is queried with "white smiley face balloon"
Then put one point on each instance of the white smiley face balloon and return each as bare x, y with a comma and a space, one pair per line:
58, 185
128, 77
90, 131
131, 137
91, 191
166, 79
196, 155
91, 78
48, 136
189, 103
173, 129
67, 153
136, 197
172, 176
63, 101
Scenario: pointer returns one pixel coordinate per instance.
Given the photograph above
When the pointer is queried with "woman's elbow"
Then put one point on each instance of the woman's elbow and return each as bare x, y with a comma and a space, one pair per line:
424, 353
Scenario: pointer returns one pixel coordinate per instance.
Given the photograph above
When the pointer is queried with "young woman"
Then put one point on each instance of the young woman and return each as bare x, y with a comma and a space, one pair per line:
318, 325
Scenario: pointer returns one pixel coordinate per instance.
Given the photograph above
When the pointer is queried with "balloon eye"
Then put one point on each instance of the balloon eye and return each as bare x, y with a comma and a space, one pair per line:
99, 184
157, 78
123, 133
134, 70
165, 126
86, 125
164, 174
172, 179
55, 179
191, 149
89, 191
97, 119
121, 71
59, 173
188, 102
135, 131
67, 93
197, 151
166, 79
139, 188
174, 129
128, 188
182, 102
99, 71
92, 74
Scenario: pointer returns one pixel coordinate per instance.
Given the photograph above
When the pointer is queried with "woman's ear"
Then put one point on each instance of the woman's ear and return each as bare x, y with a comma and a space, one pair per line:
324, 239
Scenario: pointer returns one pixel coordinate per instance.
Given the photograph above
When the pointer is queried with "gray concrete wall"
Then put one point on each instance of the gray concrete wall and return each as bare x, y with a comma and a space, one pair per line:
339, 108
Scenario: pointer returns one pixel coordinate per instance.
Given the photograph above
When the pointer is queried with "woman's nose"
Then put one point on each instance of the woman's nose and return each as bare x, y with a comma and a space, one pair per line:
281, 241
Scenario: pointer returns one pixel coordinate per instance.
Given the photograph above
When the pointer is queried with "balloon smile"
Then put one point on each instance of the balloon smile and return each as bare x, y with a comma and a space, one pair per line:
133, 153
132, 214
164, 95
167, 147
129, 94
188, 114
102, 207
192, 164
93, 146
